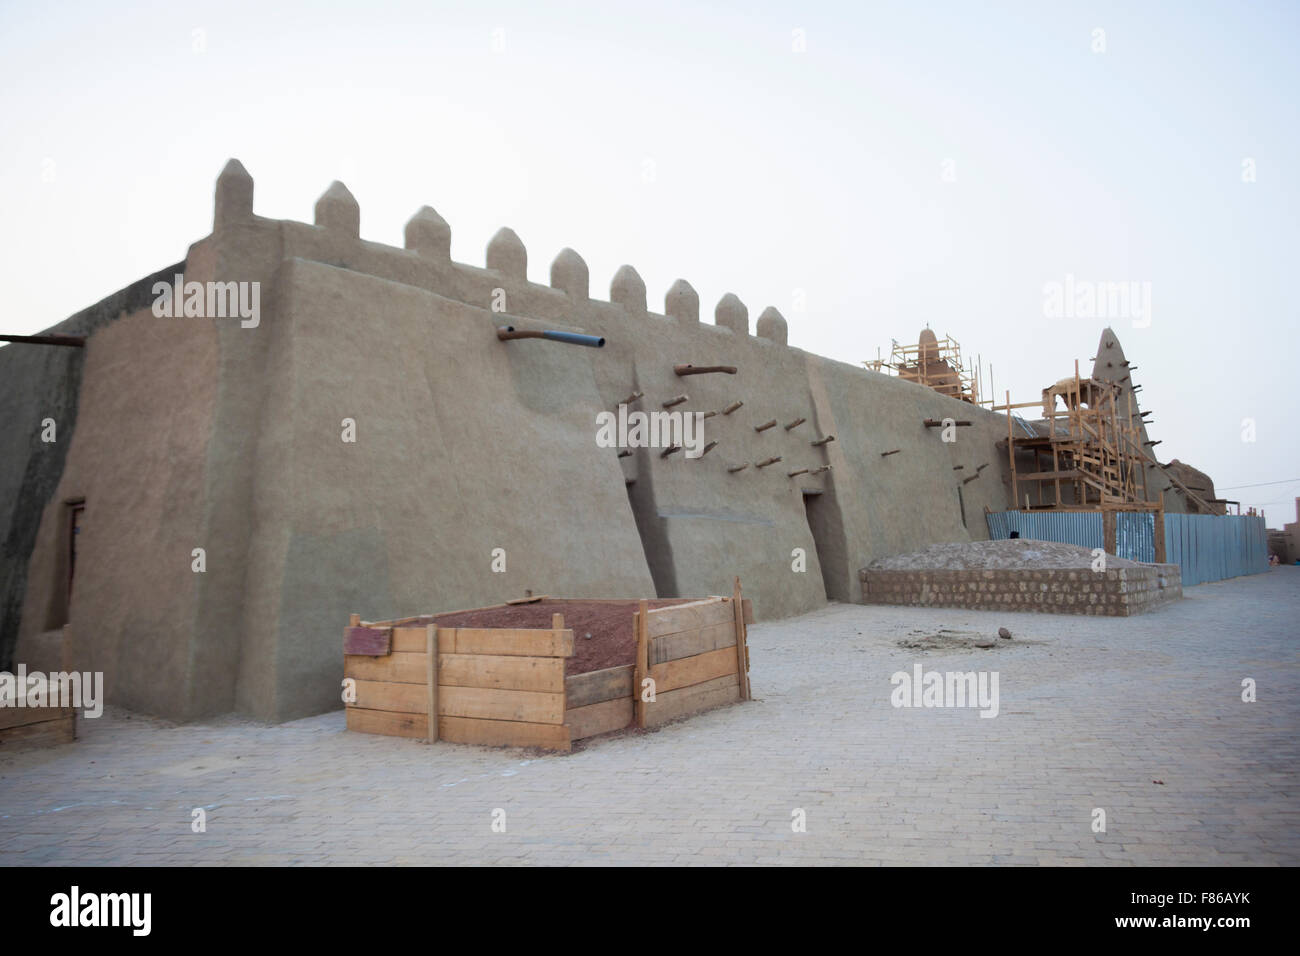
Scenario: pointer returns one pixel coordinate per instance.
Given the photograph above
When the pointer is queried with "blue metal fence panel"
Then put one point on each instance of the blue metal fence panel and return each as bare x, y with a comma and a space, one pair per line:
1205, 547
1214, 547
1070, 527
1135, 535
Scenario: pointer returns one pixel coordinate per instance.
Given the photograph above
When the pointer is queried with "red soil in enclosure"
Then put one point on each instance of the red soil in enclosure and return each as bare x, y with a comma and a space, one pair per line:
604, 634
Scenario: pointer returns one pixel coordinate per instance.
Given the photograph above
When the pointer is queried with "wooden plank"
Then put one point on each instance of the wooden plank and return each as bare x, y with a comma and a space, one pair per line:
531, 599
580, 690
685, 671
46, 733
489, 703
513, 642
690, 700
410, 640
389, 723
686, 617
503, 733
431, 676
642, 670
600, 718
367, 640
742, 657
689, 643
390, 695
506, 673
399, 667
11, 716
749, 610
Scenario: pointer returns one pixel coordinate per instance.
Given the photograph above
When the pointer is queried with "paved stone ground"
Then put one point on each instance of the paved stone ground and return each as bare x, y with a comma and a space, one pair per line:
1090, 715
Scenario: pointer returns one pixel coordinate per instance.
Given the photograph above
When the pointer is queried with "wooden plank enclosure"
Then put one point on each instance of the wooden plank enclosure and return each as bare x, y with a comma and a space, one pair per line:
507, 686
35, 726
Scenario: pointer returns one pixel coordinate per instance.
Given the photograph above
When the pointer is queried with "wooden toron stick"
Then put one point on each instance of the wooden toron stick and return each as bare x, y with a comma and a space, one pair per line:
765, 426
704, 369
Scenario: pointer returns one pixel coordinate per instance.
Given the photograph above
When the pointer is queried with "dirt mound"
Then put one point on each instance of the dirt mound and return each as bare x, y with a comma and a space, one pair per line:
1013, 554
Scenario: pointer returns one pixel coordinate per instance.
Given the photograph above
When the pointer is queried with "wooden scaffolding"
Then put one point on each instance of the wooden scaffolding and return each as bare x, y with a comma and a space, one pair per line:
1087, 449
935, 363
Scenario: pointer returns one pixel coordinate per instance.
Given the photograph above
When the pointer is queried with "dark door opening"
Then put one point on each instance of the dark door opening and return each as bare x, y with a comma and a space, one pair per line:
828, 539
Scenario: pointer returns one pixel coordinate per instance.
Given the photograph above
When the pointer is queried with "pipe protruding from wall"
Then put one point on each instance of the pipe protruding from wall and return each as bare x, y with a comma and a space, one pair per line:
506, 254
428, 234
338, 210
234, 201
730, 313
682, 302
569, 274
627, 289
772, 326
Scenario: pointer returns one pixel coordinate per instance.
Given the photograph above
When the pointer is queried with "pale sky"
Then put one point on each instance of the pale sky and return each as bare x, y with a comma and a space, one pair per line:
913, 163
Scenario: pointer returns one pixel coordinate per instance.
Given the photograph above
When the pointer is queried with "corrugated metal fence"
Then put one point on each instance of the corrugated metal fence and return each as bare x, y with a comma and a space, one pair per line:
1205, 547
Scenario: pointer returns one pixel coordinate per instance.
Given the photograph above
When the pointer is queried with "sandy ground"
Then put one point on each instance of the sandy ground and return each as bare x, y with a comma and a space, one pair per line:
1139, 718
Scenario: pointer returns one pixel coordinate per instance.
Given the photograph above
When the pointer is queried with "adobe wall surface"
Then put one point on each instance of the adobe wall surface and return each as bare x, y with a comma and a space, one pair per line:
201, 433
1116, 592
39, 382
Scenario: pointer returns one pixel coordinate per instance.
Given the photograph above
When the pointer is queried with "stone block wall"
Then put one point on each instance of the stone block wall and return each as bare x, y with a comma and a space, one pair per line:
1117, 592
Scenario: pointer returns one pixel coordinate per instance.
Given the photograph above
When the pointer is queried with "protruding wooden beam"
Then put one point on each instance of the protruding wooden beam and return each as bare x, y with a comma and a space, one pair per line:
795, 424
967, 481
676, 401
818, 471
765, 426
886, 454
768, 461
625, 453
732, 407
735, 468
797, 472
822, 441
708, 448
669, 450
704, 369
74, 341
632, 398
